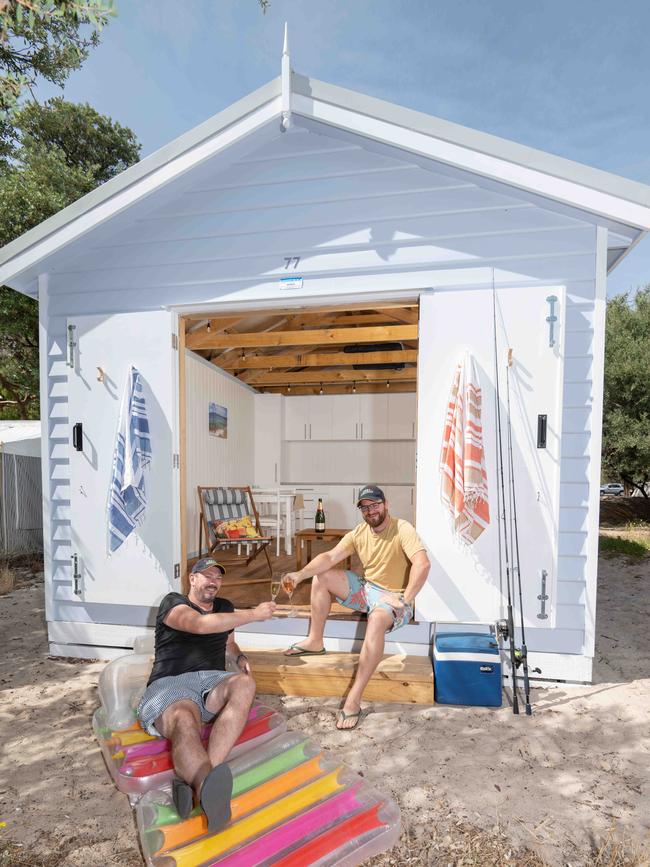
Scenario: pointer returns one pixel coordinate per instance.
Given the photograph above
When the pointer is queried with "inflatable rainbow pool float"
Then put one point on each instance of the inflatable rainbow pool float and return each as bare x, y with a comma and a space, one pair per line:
293, 804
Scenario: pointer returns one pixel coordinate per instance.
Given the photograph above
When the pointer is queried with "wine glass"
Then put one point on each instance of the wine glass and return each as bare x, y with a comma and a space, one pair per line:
276, 586
289, 586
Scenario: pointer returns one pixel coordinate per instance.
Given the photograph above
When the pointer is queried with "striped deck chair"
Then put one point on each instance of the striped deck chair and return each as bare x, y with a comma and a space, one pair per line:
230, 505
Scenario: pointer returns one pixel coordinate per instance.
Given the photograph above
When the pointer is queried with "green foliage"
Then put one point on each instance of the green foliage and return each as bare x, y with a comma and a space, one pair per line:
64, 151
633, 549
626, 409
46, 39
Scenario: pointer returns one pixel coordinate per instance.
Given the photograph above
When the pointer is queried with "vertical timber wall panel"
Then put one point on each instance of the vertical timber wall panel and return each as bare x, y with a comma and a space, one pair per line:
211, 460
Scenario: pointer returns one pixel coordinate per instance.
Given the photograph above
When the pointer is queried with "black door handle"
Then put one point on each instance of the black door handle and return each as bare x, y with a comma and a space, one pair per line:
541, 431
78, 436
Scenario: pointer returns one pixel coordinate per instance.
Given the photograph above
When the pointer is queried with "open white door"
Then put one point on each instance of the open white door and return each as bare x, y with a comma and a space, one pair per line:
464, 584
142, 569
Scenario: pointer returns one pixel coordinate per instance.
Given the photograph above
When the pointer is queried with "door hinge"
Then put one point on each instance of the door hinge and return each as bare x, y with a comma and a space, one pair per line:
176, 461
76, 575
71, 344
174, 341
177, 571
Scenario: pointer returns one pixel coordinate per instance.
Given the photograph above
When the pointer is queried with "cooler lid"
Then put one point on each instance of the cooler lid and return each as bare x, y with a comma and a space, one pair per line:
466, 642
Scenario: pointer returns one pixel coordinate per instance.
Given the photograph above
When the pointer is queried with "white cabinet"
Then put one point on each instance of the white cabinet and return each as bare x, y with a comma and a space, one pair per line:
268, 439
401, 415
296, 417
319, 423
373, 416
308, 417
345, 417
401, 501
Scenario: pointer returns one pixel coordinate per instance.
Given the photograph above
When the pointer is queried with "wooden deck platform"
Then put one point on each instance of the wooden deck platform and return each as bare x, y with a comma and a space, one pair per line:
398, 678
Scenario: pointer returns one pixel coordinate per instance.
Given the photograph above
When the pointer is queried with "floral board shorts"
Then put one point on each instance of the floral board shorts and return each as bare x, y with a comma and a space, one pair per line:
366, 596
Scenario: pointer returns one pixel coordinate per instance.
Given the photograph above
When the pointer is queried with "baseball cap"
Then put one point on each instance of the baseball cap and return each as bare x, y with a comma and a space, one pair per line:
371, 492
207, 563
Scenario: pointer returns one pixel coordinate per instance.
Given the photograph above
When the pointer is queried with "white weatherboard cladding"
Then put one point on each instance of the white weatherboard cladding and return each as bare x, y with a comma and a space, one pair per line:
341, 207
142, 569
366, 225
464, 583
211, 460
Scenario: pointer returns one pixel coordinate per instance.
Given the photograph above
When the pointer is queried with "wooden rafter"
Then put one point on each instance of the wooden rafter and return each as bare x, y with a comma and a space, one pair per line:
328, 336
317, 359
339, 388
331, 375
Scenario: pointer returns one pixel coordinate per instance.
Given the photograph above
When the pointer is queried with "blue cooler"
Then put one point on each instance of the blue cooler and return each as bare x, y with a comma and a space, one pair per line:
467, 669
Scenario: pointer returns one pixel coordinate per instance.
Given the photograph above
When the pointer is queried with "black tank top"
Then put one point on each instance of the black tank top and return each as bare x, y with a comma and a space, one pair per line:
178, 652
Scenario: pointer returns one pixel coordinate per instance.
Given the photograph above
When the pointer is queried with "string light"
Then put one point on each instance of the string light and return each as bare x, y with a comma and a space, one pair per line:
321, 388
387, 384
354, 388
209, 327
289, 388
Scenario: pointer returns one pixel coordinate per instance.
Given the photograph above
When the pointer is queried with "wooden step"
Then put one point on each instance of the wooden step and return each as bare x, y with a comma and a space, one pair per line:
397, 678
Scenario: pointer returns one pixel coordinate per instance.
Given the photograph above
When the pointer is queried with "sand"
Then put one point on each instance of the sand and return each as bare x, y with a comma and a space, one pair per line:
475, 786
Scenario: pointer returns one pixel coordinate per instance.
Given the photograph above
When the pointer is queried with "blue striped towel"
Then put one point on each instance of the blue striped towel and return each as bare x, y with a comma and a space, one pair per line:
128, 498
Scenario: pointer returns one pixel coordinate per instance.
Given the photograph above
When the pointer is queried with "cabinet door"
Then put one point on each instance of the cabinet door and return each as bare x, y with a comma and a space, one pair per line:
296, 417
319, 423
268, 419
345, 416
400, 500
373, 416
336, 506
401, 415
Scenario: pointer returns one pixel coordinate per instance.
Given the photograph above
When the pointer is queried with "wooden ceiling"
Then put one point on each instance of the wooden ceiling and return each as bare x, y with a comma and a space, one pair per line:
302, 352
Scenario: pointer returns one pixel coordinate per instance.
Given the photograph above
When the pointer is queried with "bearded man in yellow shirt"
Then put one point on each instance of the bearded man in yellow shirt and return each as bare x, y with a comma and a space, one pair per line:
395, 566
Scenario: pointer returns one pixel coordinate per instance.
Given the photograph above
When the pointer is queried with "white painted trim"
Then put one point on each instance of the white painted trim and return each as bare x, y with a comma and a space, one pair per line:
84, 651
556, 667
596, 439
43, 366
122, 199
486, 658
94, 634
481, 163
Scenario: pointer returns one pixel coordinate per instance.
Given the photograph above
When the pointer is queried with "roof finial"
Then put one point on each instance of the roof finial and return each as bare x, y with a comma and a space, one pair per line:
286, 82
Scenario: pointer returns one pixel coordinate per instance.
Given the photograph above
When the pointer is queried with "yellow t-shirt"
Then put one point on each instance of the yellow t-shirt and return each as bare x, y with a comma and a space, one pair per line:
386, 556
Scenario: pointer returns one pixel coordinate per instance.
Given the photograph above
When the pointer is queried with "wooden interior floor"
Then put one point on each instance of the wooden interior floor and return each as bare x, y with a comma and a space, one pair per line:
248, 586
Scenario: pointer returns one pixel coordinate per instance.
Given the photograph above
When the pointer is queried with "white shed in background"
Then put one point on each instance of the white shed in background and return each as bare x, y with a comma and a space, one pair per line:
21, 506
361, 203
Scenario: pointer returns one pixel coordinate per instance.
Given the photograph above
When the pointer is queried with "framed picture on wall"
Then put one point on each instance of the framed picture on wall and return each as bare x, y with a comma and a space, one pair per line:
218, 420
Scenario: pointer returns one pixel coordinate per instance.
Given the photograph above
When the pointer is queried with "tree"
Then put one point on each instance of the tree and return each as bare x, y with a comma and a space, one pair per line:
46, 39
626, 408
64, 151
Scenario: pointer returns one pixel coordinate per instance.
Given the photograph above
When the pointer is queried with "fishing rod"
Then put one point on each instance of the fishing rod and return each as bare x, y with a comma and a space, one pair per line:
509, 627
522, 654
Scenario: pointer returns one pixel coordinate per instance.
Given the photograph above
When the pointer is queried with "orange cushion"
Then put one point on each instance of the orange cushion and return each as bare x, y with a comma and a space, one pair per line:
235, 528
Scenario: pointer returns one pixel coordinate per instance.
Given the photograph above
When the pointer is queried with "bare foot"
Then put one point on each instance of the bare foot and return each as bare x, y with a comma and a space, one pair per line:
348, 717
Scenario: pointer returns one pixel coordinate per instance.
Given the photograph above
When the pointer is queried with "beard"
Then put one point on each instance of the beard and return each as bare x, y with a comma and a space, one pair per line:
374, 519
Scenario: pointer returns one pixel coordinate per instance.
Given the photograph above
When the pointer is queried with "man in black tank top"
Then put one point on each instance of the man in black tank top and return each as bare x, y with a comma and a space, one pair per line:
189, 687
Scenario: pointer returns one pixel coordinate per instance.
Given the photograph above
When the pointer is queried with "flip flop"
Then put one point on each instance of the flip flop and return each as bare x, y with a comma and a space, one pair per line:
183, 797
342, 716
300, 651
216, 793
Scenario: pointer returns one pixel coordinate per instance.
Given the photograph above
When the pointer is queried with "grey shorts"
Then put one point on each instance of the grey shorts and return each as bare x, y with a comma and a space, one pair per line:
194, 685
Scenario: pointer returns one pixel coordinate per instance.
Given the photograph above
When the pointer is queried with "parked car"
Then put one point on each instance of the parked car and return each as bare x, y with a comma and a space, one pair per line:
614, 488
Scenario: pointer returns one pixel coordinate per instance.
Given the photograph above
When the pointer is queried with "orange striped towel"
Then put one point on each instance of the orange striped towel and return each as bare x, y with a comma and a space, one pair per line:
462, 462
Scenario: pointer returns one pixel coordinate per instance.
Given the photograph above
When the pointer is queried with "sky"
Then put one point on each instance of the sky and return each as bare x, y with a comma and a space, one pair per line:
571, 77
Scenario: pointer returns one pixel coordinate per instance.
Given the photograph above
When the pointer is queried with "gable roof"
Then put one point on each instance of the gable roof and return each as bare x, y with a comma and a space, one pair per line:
554, 178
